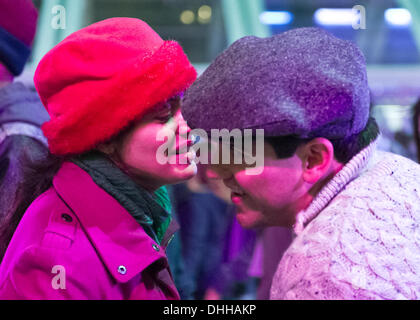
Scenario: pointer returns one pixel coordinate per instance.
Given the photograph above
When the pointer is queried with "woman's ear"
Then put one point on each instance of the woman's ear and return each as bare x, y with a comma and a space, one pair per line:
108, 148
318, 157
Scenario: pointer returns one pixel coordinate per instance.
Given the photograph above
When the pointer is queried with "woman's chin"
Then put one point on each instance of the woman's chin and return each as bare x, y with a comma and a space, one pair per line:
183, 166
186, 171
181, 172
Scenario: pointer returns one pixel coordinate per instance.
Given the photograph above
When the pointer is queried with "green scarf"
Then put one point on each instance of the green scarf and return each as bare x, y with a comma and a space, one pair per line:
152, 212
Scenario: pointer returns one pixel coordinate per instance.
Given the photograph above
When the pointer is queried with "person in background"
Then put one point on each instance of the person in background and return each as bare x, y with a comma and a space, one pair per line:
21, 115
224, 260
182, 277
234, 277
204, 220
275, 241
397, 130
354, 210
100, 228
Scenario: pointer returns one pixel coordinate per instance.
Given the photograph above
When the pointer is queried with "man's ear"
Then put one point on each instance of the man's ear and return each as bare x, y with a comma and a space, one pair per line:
317, 157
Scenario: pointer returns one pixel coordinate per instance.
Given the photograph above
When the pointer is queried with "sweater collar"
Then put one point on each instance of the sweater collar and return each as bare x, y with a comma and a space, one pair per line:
349, 172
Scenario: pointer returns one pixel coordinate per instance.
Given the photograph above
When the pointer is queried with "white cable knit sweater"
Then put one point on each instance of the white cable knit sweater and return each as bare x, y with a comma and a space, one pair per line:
362, 235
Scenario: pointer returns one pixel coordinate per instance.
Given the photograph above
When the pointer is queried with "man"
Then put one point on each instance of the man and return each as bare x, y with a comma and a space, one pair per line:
355, 211
21, 112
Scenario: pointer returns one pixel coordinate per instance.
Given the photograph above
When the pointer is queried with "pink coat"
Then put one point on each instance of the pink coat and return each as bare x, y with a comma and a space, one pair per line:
77, 242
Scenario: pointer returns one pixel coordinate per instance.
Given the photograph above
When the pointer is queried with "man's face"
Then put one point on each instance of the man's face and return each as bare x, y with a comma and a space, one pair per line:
267, 198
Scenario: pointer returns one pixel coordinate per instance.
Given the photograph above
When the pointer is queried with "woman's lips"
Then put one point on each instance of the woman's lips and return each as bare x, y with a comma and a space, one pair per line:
182, 149
185, 157
236, 197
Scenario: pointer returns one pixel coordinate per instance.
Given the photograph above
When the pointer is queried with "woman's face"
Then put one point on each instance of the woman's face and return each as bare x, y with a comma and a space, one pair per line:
140, 148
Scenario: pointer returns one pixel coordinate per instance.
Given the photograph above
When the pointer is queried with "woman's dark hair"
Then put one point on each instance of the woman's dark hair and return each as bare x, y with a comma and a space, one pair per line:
416, 118
26, 171
344, 149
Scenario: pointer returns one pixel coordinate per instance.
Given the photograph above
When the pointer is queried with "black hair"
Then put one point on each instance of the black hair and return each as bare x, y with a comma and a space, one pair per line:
344, 148
26, 171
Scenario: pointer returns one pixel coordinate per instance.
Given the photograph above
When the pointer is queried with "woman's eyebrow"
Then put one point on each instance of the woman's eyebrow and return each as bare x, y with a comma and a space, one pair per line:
170, 105
174, 99
175, 103
164, 107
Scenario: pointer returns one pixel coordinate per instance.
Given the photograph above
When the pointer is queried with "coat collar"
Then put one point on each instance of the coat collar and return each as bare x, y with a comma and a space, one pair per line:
120, 241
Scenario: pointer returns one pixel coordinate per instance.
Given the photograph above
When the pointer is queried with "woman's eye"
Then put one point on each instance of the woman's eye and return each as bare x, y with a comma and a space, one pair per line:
164, 118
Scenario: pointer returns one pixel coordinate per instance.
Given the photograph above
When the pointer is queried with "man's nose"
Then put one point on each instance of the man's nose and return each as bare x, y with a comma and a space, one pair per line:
211, 174
230, 182
218, 171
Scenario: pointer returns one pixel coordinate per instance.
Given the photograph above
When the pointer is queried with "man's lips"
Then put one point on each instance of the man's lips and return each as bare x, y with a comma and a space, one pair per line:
238, 193
236, 197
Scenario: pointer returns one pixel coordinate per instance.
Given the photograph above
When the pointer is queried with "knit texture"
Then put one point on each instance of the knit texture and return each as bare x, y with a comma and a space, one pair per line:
350, 171
364, 243
303, 82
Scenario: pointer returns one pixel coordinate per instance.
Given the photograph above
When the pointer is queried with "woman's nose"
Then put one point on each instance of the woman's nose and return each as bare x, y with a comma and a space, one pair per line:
182, 127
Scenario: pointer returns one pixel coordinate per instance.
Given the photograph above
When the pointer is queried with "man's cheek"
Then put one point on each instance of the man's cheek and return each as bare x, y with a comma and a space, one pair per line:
253, 201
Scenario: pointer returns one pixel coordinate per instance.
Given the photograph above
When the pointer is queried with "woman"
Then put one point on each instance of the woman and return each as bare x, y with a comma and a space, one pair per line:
100, 229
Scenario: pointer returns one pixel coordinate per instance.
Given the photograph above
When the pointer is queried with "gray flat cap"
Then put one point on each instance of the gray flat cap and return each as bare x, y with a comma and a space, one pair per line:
302, 82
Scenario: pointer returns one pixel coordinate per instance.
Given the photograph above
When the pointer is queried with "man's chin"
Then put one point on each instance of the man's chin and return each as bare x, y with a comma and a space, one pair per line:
249, 220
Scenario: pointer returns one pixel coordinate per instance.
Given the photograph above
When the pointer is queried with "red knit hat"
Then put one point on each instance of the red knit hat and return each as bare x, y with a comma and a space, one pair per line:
99, 79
